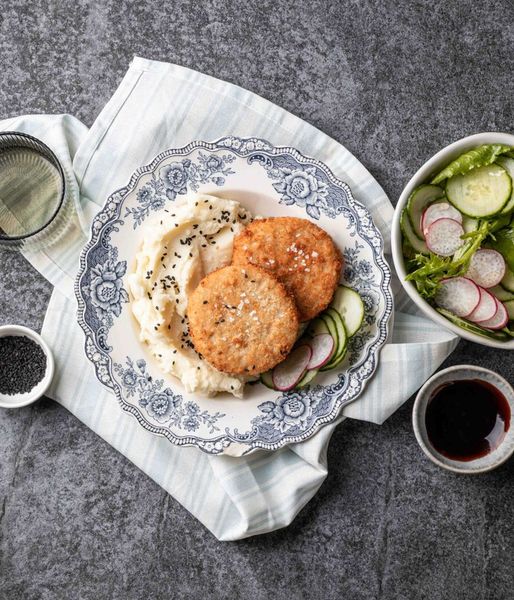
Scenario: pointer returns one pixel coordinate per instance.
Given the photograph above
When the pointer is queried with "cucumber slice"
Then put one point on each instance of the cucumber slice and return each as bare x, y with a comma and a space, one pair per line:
318, 326
495, 335
420, 198
482, 192
267, 380
342, 340
508, 164
407, 250
408, 232
469, 224
349, 305
332, 329
509, 305
501, 293
307, 378
508, 281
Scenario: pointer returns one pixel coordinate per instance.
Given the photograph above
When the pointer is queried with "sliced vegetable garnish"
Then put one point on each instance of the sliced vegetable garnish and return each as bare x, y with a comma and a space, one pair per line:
459, 295
444, 237
322, 346
439, 210
509, 305
482, 192
500, 319
508, 164
420, 198
267, 380
486, 308
486, 267
472, 327
412, 238
499, 292
469, 224
307, 378
478, 157
428, 271
349, 305
289, 372
339, 355
508, 280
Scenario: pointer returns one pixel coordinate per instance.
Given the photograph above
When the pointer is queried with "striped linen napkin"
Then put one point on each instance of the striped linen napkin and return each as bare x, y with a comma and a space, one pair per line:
158, 106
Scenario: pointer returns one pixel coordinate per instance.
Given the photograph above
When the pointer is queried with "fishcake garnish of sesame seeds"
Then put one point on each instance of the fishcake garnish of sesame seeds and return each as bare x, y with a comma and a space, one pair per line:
298, 253
242, 320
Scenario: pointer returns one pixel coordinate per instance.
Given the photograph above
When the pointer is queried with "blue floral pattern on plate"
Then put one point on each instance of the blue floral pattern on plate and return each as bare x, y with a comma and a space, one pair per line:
161, 403
176, 178
266, 419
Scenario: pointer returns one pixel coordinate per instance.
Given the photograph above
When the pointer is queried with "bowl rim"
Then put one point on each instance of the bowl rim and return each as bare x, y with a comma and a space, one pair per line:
40, 388
45, 151
421, 401
442, 156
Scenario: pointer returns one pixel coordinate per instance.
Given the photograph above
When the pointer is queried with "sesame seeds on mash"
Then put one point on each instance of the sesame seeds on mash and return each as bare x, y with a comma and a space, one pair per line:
180, 246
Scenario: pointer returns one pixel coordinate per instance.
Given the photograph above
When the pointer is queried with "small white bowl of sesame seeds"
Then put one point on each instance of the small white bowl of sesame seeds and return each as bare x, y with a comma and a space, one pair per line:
26, 366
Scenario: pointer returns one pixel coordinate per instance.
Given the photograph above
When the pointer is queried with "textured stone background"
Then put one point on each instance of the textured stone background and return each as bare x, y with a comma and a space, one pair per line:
394, 81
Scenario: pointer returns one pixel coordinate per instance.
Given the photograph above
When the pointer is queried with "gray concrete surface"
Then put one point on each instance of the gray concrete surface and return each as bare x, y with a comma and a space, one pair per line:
394, 81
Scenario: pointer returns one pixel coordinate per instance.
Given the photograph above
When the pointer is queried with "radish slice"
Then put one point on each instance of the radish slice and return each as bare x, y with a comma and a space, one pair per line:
444, 237
500, 319
486, 308
486, 268
322, 347
289, 372
439, 210
459, 295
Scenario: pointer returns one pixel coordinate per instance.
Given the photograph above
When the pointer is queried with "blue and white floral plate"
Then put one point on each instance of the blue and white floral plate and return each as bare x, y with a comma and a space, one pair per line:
269, 181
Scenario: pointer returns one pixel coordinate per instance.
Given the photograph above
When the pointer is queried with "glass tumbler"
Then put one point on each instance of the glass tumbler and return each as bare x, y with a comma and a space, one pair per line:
33, 193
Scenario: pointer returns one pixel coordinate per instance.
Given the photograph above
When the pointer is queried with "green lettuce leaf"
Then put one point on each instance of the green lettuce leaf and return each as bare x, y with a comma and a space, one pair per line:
478, 157
426, 272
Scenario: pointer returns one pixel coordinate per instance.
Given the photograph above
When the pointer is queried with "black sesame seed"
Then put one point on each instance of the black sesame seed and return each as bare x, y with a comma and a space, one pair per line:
23, 364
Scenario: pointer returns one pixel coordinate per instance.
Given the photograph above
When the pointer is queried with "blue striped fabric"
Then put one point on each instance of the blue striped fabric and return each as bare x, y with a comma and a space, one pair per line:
157, 106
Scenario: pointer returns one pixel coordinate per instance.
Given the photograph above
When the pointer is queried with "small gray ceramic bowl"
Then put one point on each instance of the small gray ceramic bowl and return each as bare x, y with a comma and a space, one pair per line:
480, 465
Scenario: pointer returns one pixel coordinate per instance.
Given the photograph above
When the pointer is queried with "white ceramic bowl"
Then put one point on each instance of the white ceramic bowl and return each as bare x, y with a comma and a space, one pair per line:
480, 465
431, 167
18, 400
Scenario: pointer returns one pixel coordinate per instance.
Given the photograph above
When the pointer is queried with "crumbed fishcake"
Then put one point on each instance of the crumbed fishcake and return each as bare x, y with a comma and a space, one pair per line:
299, 254
242, 320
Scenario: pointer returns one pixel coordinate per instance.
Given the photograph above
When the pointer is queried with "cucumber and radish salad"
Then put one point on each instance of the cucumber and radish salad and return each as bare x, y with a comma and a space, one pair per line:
458, 241
323, 344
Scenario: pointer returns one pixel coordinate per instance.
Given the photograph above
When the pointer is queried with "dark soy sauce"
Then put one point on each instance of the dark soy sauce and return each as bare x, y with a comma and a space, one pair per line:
467, 419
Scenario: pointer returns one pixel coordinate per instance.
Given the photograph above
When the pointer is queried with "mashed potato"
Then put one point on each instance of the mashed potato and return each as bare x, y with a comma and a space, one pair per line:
180, 246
